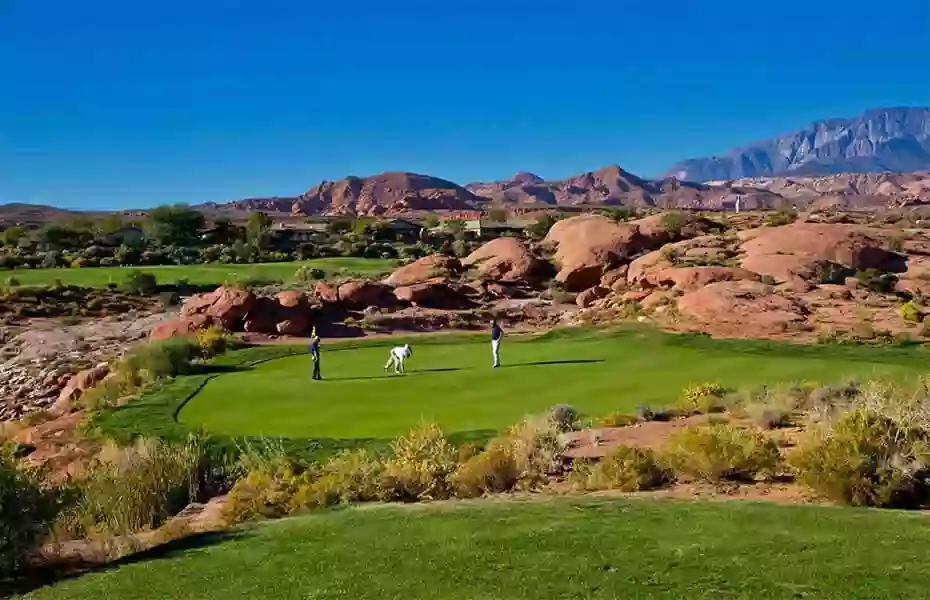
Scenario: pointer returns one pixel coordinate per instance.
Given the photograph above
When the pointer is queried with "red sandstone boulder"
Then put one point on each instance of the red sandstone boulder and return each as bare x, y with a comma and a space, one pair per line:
358, 295
326, 293
292, 299
264, 316
590, 296
796, 250
692, 278
76, 386
296, 325
429, 267
436, 293
504, 259
181, 326
743, 309
589, 245
227, 305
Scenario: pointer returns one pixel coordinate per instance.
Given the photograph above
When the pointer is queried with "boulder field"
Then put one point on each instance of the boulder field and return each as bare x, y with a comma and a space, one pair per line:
725, 276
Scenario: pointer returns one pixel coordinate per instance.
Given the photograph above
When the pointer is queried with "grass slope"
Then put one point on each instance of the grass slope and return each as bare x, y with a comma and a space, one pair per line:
210, 274
555, 549
453, 384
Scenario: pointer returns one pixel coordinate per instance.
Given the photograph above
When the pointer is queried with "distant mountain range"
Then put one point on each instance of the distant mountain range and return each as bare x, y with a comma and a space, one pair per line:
878, 159
878, 140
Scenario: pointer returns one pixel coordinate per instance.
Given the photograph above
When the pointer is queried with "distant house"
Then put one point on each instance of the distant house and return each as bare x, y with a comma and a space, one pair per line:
289, 235
483, 228
402, 230
129, 235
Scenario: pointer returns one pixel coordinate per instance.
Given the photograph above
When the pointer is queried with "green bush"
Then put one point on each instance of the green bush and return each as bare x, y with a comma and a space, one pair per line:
166, 358
26, 512
673, 223
865, 459
419, 467
308, 273
910, 312
625, 468
213, 341
492, 471
875, 280
137, 282
703, 398
721, 451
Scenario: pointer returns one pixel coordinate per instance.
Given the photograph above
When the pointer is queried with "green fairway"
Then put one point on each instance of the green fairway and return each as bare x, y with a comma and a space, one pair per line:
208, 274
452, 383
540, 550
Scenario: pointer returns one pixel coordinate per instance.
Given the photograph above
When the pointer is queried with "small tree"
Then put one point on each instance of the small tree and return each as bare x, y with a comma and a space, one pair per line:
137, 282
257, 229
430, 221
177, 225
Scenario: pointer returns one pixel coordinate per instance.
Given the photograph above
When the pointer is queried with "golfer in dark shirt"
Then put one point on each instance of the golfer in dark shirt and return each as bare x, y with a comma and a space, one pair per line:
496, 335
315, 355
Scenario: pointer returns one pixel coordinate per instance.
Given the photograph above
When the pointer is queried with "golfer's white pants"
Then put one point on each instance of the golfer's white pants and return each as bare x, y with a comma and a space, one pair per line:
396, 361
496, 351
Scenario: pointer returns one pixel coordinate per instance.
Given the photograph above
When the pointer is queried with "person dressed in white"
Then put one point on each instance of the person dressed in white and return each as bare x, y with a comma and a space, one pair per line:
496, 335
397, 357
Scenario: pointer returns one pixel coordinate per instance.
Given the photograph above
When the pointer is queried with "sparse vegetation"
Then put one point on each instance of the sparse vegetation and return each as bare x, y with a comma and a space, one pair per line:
625, 468
721, 451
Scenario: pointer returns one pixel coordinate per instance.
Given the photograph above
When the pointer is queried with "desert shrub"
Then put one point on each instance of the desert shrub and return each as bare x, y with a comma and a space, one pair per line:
565, 417
703, 398
619, 419
535, 446
782, 216
875, 280
419, 466
352, 476
721, 451
910, 312
625, 468
492, 471
11, 282
26, 512
467, 451
133, 488
673, 223
137, 282
865, 459
619, 213
267, 491
896, 243
165, 358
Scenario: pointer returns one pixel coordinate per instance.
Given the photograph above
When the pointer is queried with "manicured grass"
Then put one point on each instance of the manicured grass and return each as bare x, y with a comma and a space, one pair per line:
539, 550
210, 274
453, 383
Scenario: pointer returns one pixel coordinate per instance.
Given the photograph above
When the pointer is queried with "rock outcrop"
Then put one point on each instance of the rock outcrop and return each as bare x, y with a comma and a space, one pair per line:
429, 267
505, 259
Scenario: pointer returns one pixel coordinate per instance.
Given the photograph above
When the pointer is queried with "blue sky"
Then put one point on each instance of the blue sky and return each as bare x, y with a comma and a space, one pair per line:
115, 104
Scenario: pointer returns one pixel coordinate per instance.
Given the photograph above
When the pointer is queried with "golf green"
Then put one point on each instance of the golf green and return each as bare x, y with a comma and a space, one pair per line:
454, 385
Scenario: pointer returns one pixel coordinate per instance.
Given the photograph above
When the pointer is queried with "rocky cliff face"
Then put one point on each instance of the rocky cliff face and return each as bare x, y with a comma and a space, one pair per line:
884, 139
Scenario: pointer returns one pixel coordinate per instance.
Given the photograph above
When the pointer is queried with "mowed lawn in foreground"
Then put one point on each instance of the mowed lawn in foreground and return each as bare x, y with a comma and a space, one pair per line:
206, 274
454, 385
565, 548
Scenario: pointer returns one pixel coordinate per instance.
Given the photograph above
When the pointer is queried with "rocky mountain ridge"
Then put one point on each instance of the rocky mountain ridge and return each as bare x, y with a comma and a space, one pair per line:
878, 140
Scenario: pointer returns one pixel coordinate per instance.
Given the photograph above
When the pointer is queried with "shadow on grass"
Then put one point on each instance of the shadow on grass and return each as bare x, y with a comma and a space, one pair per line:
393, 375
40, 577
547, 363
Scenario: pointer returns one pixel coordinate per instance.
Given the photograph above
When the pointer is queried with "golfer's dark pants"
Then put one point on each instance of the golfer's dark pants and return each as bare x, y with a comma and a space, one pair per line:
316, 367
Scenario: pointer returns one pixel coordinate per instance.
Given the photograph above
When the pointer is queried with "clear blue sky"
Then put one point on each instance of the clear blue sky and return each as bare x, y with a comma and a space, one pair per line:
112, 104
